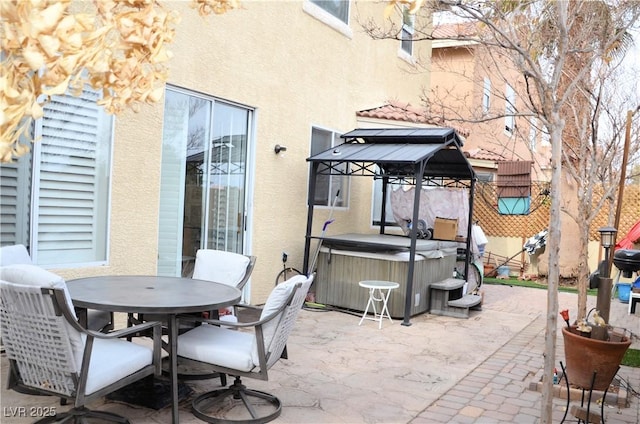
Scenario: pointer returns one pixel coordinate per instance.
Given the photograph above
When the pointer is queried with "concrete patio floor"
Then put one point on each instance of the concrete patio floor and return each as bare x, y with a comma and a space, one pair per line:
438, 369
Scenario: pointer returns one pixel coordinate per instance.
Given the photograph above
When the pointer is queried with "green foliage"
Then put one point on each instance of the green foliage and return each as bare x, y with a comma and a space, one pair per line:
534, 284
631, 358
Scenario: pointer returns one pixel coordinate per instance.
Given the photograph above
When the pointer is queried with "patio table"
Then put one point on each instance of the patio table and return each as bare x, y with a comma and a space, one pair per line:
143, 294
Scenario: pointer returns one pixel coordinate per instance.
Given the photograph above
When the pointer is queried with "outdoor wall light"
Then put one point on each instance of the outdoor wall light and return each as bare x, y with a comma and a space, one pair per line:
278, 148
607, 236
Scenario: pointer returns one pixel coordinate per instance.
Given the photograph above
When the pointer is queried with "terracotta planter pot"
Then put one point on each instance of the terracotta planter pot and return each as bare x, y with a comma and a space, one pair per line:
488, 270
585, 355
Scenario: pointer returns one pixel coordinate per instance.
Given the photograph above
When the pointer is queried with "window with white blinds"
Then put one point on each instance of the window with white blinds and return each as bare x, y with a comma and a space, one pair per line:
65, 222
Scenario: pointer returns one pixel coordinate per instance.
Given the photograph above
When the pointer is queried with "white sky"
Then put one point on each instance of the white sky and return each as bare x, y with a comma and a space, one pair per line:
633, 61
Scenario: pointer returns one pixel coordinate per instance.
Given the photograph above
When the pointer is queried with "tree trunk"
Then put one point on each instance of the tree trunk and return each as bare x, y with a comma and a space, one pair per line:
583, 254
555, 129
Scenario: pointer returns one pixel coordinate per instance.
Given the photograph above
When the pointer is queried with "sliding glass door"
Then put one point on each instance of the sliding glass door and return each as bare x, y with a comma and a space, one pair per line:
204, 178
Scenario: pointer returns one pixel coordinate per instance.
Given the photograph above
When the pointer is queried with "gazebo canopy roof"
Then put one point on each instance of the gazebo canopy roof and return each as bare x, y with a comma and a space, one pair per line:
397, 151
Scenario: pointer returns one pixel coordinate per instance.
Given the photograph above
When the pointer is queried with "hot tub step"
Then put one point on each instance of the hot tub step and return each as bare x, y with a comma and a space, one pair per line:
447, 298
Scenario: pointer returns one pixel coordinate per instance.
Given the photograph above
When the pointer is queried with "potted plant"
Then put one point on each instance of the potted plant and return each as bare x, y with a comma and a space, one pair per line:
592, 350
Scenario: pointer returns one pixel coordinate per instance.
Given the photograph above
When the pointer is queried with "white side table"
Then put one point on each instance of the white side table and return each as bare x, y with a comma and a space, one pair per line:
383, 289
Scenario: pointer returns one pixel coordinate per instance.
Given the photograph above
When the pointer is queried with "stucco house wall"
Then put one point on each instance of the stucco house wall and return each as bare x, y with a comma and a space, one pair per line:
292, 66
457, 86
457, 82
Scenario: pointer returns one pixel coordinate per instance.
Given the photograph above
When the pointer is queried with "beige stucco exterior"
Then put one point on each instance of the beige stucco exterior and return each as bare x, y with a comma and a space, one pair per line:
287, 61
457, 85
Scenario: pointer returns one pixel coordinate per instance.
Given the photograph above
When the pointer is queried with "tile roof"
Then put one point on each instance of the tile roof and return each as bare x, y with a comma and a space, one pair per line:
399, 111
483, 154
463, 30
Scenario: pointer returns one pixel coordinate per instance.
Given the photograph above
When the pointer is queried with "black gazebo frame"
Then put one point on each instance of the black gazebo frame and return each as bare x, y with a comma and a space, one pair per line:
408, 156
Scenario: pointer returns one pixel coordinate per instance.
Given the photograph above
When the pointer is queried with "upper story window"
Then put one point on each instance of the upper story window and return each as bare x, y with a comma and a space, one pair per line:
337, 8
327, 186
485, 177
509, 110
486, 96
55, 200
333, 13
408, 25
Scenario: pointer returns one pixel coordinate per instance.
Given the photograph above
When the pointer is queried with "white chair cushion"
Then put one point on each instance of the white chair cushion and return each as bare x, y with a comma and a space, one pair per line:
16, 254
112, 360
276, 299
34, 276
218, 346
220, 266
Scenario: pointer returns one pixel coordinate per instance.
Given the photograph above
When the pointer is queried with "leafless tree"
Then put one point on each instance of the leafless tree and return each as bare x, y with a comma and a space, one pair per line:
563, 52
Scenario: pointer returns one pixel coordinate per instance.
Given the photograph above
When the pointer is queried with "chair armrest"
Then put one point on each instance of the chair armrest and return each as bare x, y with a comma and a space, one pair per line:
258, 323
71, 319
195, 319
124, 331
273, 314
248, 306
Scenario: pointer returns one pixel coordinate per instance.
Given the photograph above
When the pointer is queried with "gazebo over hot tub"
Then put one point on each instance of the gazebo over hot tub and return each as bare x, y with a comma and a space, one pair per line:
419, 157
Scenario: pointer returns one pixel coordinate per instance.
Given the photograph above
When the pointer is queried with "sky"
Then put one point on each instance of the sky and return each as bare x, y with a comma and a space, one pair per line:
633, 61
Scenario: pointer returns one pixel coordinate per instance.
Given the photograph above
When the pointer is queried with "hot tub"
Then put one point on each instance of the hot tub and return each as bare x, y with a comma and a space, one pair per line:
348, 259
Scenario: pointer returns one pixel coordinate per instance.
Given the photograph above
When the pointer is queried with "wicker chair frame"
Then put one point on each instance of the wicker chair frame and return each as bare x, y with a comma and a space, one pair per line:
269, 352
36, 326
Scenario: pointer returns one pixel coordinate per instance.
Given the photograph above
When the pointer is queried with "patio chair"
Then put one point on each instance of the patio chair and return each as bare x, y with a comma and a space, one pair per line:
18, 254
245, 354
50, 353
229, 268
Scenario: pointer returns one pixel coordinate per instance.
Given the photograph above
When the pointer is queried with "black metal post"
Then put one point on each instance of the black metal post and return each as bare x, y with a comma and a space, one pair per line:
603, 301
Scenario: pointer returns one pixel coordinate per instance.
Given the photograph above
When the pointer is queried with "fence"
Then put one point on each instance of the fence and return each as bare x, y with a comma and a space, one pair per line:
493, 223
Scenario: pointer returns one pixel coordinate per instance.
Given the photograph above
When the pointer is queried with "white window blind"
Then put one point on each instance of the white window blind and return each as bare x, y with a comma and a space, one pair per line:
72, 182
14, 202
65, 221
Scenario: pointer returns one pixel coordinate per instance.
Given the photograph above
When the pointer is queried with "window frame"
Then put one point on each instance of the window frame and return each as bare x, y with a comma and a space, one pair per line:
337, 12
344, 181
509, 110
408, 27
320, 13
49, 160
376, 203
486, 96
